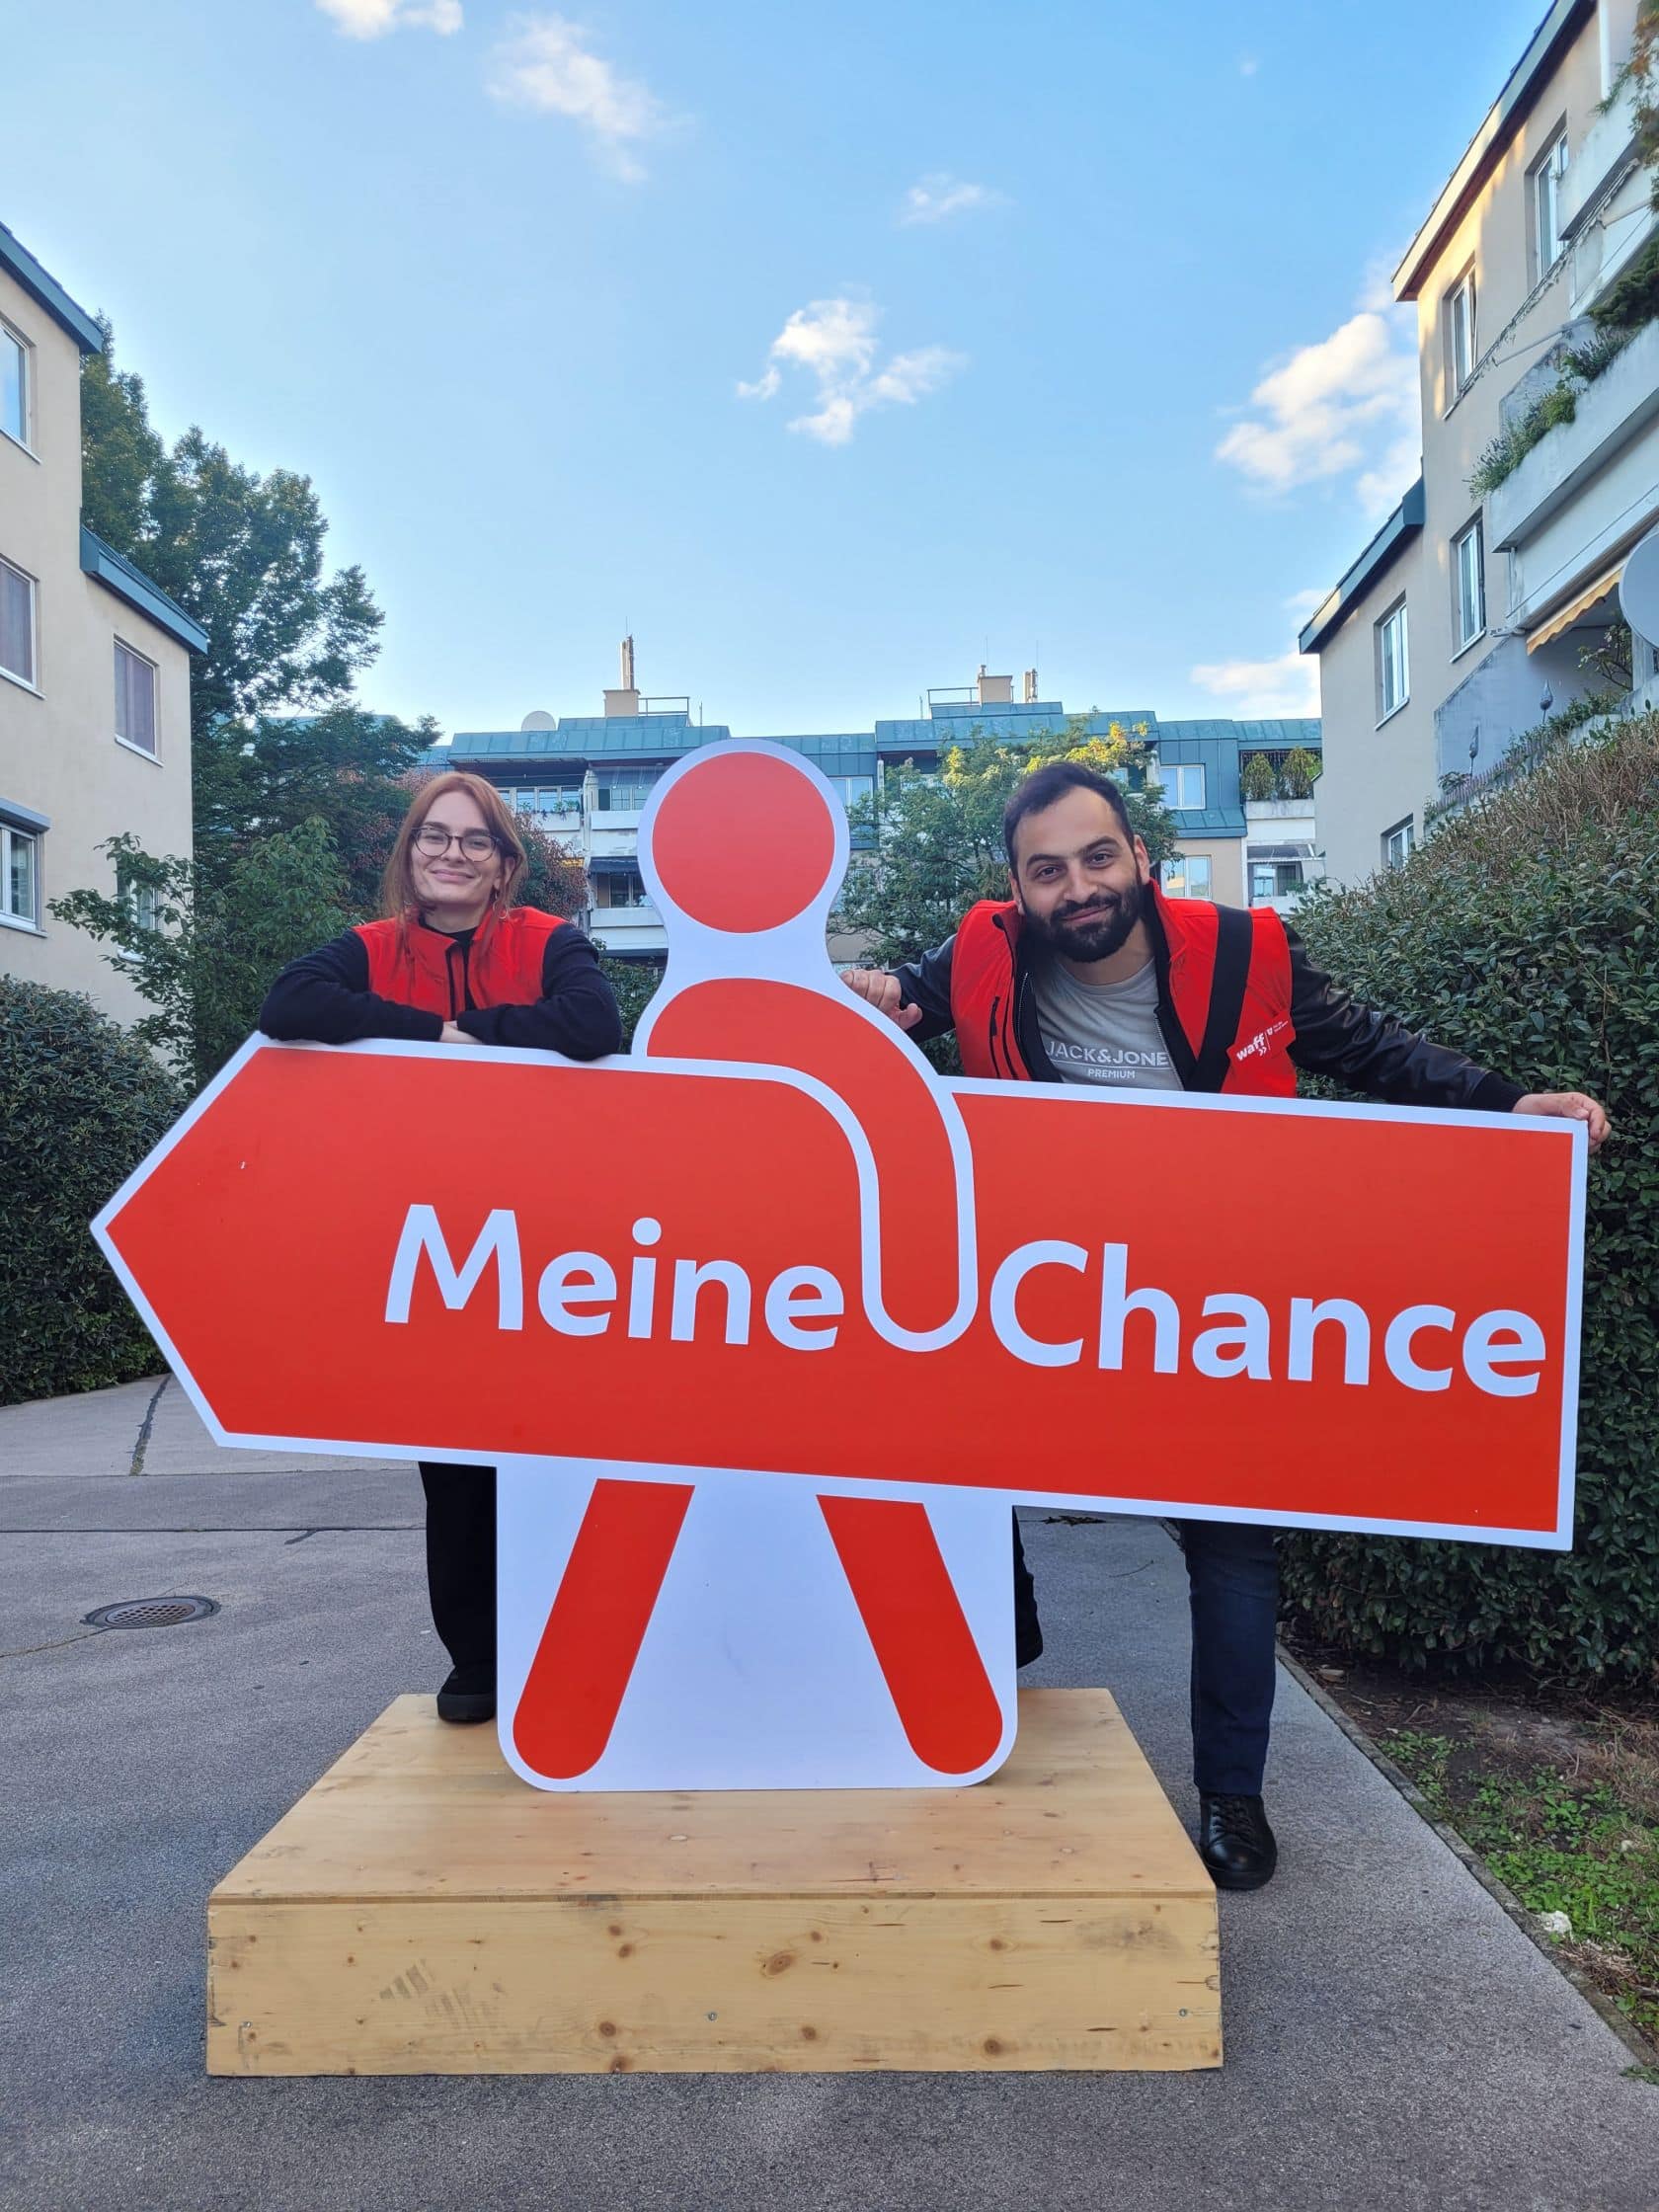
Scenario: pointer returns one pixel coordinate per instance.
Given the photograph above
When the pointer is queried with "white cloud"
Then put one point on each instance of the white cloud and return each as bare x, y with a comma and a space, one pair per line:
1345, 407
940, 194
1264, 689
1305, 603
834, 341
545, 64
372, 19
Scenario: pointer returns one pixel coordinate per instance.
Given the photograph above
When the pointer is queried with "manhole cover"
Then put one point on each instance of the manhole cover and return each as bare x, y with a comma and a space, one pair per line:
151, 1613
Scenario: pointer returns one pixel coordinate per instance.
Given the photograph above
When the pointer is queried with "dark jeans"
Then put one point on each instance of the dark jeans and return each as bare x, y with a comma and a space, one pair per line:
461, 1561
1233, 1580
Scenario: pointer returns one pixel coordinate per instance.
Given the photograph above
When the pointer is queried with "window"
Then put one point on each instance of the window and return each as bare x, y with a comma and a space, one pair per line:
1393, 673
1460, 335
17, 623
1183, 785
1547, 175
1397, 844
621, 888
1274, 879
142, 902
135, 703
14, 385
1186, 876
1468, 570
624, 790
19, 876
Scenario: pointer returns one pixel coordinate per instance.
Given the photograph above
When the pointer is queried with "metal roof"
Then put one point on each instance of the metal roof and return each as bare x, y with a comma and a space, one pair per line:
116, 574
40, 285
1486, 148
579, 741
1404, 522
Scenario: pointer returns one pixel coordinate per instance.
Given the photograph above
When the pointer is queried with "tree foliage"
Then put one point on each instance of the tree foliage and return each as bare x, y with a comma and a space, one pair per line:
1526, 931
81, 1102
242, 553
220, 935
932, 842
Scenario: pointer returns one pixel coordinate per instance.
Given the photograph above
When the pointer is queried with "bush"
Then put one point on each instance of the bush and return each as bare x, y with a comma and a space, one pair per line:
80, 1105
1301, 772
1524, 932
1257, 779
634, 984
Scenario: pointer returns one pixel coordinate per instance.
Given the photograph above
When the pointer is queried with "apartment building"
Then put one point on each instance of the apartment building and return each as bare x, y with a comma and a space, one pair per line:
94, 659
1468, 618
585, 779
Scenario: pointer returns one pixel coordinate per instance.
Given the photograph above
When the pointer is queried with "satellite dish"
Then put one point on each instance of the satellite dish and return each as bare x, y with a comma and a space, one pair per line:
1638, 589
539, 718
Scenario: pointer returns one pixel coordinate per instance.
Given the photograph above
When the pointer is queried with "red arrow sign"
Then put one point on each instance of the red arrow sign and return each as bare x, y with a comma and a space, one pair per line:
412, 1249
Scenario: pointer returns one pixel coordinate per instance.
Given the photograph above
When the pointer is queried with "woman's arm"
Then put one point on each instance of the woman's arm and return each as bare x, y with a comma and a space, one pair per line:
575, 1014
325, 997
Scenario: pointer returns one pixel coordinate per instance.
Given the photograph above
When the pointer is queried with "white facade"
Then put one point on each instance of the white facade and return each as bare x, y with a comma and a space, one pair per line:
1467, 622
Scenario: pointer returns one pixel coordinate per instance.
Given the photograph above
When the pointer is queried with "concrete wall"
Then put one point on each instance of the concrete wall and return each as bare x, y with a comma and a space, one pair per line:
58, 751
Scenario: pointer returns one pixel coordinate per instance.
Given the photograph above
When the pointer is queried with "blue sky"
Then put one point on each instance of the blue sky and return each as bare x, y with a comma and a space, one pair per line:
830, 352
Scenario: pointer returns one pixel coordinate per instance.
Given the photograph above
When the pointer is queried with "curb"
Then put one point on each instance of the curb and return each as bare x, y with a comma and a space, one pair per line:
1645, 2054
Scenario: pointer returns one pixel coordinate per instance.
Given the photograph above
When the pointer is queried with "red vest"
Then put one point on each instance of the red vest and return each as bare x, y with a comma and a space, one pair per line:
984, 976
504, 964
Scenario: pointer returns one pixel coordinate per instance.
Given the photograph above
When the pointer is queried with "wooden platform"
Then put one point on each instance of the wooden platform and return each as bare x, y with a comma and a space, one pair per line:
421, 1911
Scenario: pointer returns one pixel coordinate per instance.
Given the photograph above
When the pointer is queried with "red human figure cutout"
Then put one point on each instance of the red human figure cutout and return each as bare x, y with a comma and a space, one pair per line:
919, 1292
888, 1551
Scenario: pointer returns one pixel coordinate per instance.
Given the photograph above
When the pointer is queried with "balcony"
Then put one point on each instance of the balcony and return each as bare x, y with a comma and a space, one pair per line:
1553, 537
627, 929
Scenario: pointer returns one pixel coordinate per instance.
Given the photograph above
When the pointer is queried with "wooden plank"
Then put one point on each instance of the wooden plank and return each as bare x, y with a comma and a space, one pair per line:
422, 1911
1075, 1808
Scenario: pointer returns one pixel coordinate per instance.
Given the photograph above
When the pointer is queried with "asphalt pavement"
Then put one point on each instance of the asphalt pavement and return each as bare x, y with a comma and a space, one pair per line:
1392, 2038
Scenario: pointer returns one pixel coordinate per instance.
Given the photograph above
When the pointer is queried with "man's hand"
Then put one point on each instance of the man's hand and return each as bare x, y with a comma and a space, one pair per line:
1570, 1106
454, 1035
883, 992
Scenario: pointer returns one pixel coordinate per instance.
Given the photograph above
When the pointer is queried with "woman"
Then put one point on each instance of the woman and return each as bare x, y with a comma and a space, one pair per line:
455, 962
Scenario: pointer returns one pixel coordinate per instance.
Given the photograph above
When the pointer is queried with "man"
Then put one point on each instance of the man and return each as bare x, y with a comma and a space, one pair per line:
1088, 973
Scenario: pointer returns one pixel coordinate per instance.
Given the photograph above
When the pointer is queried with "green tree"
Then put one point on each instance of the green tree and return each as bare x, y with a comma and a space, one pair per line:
934, 841
1301, 772
219, 934
241, 553
1258, 780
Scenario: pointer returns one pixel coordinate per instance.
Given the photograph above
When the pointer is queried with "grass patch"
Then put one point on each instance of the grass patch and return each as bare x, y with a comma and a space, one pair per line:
1578, 1835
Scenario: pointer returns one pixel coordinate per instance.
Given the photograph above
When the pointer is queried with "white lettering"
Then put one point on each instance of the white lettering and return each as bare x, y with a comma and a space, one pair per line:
1398, 1343
1355, 1324
1483, 1353
1118, 1303
575, 1279
642, 1282
688, 1279
1004, 1291
497, 1239
794, 1298
1210, 1354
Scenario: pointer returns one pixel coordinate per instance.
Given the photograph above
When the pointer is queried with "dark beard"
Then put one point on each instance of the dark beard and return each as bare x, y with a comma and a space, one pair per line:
1094, 932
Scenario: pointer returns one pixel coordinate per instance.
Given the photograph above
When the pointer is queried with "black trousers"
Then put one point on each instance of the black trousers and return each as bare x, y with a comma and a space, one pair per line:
461, 1561
461, 1568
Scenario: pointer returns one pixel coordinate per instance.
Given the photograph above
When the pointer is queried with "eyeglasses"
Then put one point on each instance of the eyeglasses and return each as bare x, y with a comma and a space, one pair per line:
434, 840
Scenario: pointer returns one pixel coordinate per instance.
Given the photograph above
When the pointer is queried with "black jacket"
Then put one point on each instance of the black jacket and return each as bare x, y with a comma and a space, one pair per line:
325, 996
1352, 1044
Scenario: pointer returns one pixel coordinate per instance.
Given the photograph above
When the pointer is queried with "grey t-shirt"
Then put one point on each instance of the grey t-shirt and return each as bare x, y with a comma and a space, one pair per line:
1105, 1034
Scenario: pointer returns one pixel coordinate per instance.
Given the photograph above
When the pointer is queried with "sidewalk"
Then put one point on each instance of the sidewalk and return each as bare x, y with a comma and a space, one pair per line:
1392, 2040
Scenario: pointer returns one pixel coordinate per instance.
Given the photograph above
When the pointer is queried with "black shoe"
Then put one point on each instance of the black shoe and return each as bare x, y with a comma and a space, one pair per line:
1236, 1842
468, 1695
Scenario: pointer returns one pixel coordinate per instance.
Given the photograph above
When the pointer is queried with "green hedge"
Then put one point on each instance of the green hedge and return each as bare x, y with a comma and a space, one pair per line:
80, 1105
1524, 932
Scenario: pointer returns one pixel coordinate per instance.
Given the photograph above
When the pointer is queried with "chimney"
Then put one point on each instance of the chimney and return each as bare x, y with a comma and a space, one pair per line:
627, 699
993, 690
1031, 688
